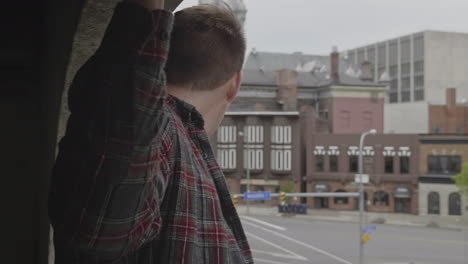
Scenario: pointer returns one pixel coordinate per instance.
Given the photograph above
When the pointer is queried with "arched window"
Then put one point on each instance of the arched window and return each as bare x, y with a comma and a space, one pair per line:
341, 200
381, 198
433, 203
454, 204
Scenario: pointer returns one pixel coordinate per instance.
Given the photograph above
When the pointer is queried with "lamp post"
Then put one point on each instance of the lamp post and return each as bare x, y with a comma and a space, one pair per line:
361, 194
247, 173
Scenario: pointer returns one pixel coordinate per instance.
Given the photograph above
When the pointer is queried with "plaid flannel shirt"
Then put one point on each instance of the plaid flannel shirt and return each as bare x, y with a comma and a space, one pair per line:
136, 180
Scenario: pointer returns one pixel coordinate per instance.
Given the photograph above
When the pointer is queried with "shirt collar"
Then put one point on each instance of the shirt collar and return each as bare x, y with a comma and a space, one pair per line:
188, 113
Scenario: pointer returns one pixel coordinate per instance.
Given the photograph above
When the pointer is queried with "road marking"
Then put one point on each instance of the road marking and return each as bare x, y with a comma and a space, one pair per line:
291, 255
323, 252
437, 241
263, 223
267, 261
279, 255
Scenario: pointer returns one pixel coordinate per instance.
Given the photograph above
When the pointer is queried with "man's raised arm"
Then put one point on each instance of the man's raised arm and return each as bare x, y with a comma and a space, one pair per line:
109, 179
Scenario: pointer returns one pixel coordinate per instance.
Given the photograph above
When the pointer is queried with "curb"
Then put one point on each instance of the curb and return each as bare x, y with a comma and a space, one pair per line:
351, 219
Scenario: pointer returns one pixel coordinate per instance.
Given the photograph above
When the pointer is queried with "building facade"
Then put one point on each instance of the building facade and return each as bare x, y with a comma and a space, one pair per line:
391, 161
261, 149
451, 117
419, 68
261, 140
441, 158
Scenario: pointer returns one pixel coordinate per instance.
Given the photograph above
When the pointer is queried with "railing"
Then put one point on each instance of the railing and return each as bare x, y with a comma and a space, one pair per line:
322, 194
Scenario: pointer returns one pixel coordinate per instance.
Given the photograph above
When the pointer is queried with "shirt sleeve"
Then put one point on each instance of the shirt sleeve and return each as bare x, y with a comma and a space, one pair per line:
117, 101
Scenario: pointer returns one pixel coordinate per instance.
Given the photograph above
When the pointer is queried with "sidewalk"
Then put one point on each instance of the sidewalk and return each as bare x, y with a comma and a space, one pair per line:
434, 221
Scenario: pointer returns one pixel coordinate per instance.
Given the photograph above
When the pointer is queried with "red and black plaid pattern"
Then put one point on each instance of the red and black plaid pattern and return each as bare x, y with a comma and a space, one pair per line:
135, 179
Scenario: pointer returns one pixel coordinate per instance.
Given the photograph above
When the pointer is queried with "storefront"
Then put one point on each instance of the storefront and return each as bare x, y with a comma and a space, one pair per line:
402, 196
321, 202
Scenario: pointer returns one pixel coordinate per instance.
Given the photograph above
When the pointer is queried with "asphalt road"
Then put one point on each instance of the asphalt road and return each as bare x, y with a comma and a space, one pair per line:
291, 240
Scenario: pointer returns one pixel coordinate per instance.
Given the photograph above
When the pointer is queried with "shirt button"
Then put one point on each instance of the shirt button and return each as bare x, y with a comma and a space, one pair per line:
204, 156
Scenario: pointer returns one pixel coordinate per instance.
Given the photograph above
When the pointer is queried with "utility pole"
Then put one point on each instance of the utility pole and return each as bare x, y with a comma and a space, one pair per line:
361, 194
248, 183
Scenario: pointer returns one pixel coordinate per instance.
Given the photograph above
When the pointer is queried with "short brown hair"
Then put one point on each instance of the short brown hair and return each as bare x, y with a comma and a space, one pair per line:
207, 47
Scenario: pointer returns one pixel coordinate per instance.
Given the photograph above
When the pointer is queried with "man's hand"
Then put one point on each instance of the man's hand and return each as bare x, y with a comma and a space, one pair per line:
149, 4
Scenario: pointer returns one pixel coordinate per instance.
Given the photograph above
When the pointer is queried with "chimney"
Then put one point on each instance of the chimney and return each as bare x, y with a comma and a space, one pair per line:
335, 65
451, 97
366, 71
287, 90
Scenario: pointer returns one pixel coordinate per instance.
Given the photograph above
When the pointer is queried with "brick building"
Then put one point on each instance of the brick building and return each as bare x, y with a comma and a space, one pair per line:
282, 95
441, 157
450, 118
391, 161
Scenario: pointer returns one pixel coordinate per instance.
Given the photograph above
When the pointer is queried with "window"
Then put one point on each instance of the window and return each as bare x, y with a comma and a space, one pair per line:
381, 198
393, 52
436, 130
341, 200
381, 55
393, 93
353, 163
360, 56
371, 55
323, 114
367, 119
418, 47
319, 163
419, 88
227, 139
433, 203
444, 164
419, 67
333, 163
405, 95
393, 71
243, 188
418, 94
388, 164
393, 97
380, 71
454, 204
405, 49
405, 68
253, 147
281, 140
404, 165
405, 89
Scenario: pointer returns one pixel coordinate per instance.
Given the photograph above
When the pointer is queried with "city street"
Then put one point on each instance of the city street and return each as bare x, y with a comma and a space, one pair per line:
276, 239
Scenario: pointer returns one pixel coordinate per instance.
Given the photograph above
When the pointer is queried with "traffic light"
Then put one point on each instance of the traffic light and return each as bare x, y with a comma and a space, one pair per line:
282, 198
235, 199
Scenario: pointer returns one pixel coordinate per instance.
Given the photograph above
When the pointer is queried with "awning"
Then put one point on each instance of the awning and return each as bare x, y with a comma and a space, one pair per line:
402, 192
321, 187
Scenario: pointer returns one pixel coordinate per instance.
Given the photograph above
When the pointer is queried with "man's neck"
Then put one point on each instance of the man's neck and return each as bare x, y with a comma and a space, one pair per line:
202, 101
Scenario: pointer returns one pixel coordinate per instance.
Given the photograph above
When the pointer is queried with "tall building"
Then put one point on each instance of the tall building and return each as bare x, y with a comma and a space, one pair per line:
419, 67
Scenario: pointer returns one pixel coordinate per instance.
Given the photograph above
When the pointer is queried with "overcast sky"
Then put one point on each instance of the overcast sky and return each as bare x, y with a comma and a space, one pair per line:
314, 26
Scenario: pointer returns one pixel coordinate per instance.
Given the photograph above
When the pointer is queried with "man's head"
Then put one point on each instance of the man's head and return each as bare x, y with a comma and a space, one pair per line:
206, 56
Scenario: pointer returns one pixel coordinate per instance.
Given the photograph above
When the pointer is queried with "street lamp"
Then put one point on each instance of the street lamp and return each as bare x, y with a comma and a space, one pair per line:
361, 194
247, 172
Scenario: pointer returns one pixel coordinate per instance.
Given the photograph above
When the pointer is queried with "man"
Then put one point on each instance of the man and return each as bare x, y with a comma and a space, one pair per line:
136, 180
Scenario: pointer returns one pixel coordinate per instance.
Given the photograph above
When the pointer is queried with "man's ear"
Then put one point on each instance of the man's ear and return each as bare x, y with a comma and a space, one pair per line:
234, 87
